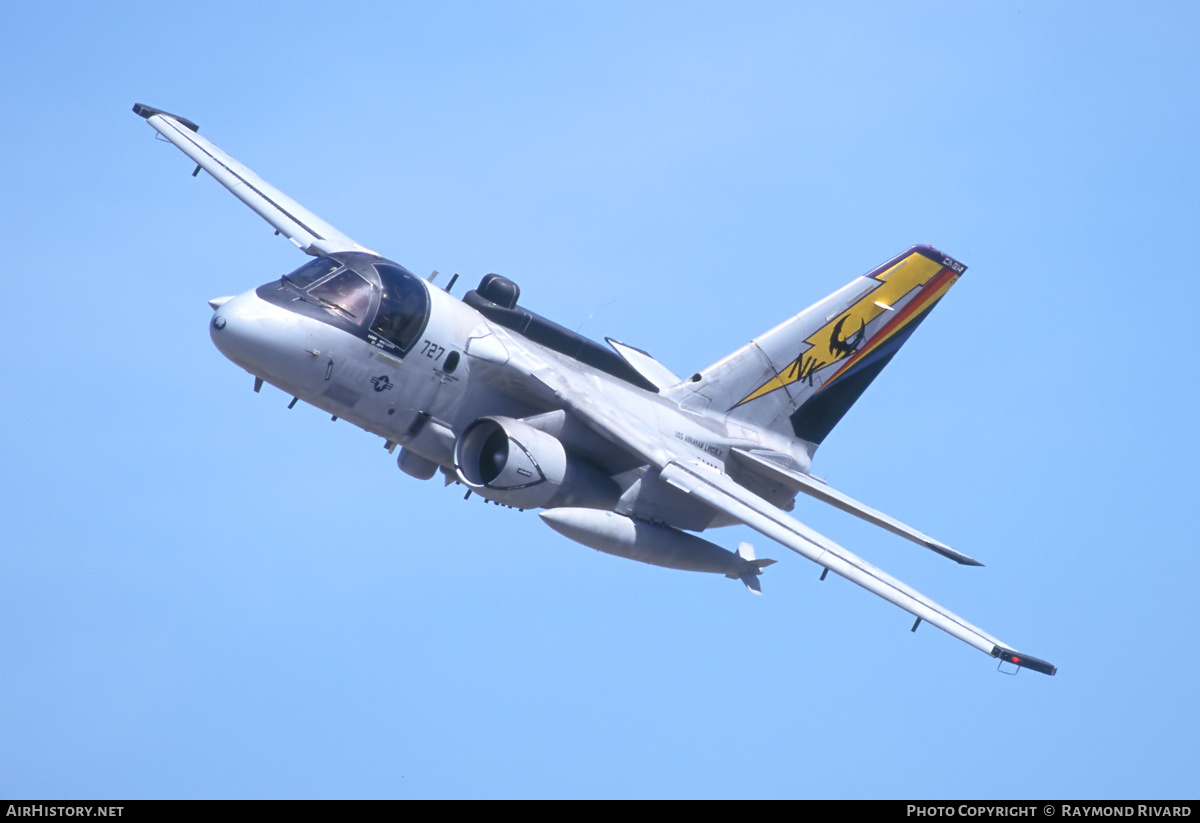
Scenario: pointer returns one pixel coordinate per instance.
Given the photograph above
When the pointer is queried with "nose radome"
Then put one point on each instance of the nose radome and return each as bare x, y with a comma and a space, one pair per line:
235, 329
263, 339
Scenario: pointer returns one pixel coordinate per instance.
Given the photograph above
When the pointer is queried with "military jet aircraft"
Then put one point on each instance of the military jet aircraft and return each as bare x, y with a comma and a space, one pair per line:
618, 452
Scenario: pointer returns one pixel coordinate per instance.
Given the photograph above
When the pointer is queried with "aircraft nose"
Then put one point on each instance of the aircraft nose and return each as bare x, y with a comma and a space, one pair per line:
263, 339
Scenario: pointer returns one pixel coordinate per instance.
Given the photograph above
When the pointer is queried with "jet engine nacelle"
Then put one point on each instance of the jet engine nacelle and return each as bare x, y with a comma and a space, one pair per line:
511, 462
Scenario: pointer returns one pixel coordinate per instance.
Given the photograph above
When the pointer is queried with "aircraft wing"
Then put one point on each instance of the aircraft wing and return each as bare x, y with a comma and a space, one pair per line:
720, 491
723, 493
309, 232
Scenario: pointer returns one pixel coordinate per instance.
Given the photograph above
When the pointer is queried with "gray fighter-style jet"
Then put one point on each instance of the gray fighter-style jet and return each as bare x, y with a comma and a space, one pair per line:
618, 452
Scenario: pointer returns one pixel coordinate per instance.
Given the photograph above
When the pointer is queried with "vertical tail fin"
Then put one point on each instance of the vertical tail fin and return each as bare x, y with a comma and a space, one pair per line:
802, 376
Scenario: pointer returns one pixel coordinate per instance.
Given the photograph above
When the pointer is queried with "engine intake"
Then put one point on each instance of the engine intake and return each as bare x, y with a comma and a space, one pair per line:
511, 462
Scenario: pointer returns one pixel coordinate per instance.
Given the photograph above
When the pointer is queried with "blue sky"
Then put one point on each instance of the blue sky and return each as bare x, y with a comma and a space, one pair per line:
208, 595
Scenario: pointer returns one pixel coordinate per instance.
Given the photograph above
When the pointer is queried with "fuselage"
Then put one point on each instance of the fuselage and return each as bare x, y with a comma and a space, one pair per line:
373, 350
372, 344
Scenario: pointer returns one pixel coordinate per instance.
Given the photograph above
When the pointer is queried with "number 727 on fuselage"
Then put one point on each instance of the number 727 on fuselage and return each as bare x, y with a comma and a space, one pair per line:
618, 452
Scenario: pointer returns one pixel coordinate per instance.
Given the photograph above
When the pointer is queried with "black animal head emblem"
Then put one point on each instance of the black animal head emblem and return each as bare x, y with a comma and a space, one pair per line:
840, 347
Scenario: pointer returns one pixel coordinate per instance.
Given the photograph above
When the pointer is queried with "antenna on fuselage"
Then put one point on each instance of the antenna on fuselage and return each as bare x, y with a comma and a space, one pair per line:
593, 314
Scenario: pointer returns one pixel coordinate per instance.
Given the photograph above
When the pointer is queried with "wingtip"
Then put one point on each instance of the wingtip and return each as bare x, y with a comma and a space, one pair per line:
1024, 661
142, 110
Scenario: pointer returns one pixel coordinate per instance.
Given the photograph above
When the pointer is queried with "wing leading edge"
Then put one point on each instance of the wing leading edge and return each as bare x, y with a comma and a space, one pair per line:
310, 233
720, 491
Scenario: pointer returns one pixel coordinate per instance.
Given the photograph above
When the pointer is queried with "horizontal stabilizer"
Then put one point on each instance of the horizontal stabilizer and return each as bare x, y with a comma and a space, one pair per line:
814, 488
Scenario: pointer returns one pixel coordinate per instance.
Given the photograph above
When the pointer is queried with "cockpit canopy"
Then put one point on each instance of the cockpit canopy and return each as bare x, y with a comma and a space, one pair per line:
363, 294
